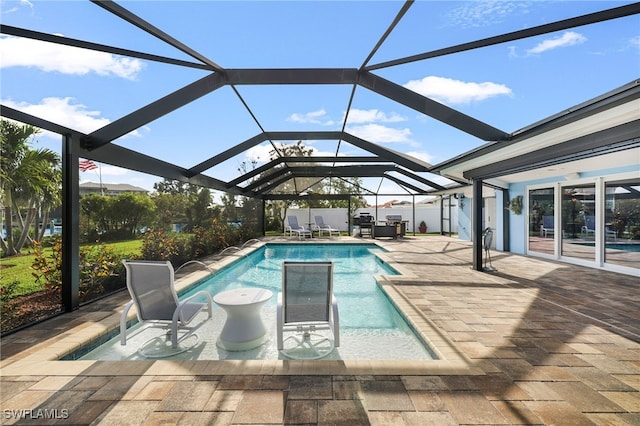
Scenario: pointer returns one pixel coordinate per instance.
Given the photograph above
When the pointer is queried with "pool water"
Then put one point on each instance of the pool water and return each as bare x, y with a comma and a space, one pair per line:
371, 328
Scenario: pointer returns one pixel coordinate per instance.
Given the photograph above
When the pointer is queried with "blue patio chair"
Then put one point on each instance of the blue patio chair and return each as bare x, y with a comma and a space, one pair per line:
547, 226
295, 227
590, 227
324, 227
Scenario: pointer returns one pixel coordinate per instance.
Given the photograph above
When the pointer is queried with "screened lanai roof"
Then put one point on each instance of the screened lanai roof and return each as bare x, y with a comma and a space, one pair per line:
206, 91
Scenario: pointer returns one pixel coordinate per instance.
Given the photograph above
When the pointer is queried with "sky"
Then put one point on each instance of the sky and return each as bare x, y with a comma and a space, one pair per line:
509, 86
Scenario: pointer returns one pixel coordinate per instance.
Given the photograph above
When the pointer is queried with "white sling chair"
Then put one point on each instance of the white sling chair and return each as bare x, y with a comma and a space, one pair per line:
324, 227
152, 290
307, 305
294, 227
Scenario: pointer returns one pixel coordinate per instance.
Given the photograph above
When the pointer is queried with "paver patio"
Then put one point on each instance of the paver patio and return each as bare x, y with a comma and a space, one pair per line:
537, 342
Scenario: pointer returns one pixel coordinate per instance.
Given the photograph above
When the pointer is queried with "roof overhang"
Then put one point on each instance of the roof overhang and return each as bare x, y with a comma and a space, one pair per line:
607, 127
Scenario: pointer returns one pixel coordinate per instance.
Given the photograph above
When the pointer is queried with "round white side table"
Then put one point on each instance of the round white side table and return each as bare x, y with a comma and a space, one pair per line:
244, 328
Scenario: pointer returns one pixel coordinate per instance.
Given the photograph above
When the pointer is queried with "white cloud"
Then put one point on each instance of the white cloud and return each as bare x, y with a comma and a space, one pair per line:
421, 155
485, 13
51, 57
315, 117
65, 112
62, 111
635, 42
381, 134
570, 38
373, 115
259, 153
452, 91
12, 7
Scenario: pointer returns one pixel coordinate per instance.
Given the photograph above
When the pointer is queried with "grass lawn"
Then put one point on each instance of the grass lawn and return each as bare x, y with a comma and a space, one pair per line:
18, 268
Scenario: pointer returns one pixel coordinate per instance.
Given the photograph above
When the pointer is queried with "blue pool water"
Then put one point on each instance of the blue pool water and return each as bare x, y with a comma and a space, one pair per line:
617, 246
362, 304
370, 326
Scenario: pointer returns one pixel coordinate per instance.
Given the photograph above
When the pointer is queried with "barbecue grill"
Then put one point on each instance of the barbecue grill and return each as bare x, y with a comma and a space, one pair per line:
396, 220
365, 222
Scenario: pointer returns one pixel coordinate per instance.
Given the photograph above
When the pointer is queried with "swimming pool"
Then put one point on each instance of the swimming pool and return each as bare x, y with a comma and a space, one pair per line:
370, 325
635, 247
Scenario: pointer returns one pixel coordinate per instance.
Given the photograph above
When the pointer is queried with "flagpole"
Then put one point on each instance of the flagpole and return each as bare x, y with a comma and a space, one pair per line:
100, 172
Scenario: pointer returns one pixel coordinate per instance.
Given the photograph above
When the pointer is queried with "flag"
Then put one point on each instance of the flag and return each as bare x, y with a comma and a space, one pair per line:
86, 165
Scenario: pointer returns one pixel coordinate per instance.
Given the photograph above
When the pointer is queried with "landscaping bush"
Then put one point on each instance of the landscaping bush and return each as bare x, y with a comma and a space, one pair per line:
160, 245
101, 270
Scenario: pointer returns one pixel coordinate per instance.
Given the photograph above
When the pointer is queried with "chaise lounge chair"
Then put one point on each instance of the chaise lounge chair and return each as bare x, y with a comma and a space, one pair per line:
152, 290
324, 227
307, 305
294, 227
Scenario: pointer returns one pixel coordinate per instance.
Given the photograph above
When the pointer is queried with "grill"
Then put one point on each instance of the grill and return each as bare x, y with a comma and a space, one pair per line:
364, 219
396, 220
364, 222
393, 219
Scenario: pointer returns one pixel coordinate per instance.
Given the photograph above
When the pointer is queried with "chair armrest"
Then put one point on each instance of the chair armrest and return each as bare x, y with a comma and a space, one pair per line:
123, 323
183, 303
335, 319
279, 322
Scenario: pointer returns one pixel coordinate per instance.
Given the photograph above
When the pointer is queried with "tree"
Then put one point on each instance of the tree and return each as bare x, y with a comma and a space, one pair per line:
130, 212
95, 208
192, 203
198, 210
170, 208
29, 179
121, 216
290, 186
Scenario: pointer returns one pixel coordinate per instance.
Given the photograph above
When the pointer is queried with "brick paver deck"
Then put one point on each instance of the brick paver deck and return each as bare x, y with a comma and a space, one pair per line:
536, 342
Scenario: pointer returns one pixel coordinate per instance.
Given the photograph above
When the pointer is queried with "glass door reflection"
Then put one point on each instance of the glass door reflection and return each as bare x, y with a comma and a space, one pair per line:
578, 221
541, 220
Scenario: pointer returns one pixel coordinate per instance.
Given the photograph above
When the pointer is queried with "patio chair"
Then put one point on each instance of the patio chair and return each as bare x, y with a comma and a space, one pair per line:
590, 227
307, 305
324, 227
547, 226
153, 293
294, 227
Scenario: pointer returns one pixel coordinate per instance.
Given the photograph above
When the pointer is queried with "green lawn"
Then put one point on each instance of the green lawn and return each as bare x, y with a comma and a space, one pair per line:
19, 267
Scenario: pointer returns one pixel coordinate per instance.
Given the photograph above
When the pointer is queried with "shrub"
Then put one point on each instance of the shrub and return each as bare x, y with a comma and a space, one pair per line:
216, 236
49, 270
7, 304
160, 245
100, 269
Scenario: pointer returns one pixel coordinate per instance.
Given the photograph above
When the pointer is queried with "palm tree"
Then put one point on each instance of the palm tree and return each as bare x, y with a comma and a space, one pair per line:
27, 178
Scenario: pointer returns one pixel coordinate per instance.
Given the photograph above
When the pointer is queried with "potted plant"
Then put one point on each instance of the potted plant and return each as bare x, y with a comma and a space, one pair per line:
422, 227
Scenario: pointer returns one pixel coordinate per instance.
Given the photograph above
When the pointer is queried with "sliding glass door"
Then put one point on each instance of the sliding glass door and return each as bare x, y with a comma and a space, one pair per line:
621, 229
541, 220
578, 221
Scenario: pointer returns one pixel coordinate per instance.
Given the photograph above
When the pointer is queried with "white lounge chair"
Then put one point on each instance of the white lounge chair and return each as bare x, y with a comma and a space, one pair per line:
294, 227
324, 227
152, 290
307, 305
